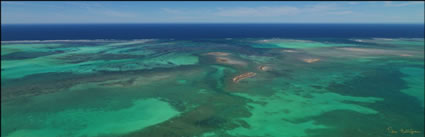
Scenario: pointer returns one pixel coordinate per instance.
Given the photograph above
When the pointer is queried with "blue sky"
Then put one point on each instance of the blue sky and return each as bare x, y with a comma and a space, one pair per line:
211, 12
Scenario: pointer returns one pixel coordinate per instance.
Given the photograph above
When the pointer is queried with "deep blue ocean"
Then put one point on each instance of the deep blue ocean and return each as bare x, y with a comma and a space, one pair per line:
197, 31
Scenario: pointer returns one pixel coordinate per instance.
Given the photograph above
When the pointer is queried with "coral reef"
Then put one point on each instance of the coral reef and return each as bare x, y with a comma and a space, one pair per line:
311, 60
243, 76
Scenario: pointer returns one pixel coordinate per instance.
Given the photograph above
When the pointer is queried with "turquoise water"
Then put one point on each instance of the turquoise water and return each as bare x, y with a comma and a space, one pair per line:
213, 88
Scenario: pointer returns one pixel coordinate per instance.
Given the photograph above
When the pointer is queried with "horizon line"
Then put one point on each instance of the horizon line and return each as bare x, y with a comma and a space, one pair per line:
220, 23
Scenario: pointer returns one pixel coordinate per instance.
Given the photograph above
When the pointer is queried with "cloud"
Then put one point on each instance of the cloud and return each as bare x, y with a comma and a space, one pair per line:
353, 3
34, 4
172, 11
264, 11
100, 9
12, 3
341, 12
319, 9
117, 13
402, 4
258, 11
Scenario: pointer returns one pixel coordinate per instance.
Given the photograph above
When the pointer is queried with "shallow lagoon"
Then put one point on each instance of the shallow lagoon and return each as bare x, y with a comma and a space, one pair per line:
161, 87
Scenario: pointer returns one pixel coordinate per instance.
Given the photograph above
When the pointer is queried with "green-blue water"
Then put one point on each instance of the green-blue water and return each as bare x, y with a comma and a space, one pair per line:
176, 88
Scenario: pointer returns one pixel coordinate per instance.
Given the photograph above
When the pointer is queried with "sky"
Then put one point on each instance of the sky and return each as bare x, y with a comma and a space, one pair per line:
210, 12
